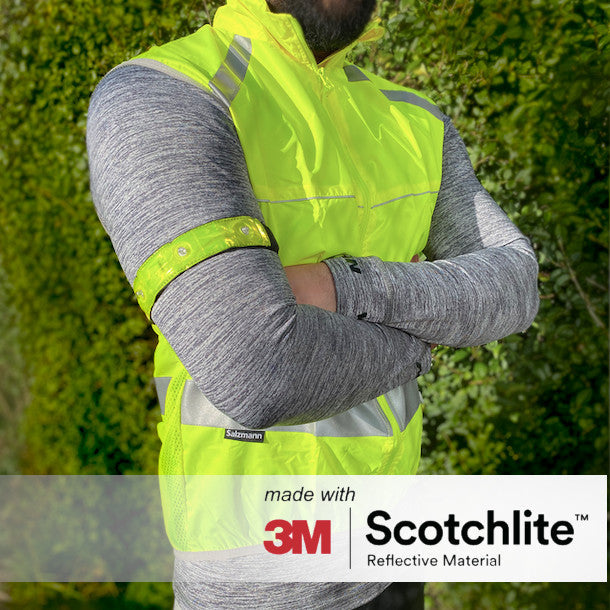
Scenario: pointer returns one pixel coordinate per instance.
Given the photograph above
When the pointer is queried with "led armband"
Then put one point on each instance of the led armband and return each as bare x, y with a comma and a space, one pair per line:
194, 246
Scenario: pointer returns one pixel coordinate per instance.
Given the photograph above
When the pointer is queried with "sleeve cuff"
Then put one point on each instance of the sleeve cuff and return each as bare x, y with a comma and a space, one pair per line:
362, 291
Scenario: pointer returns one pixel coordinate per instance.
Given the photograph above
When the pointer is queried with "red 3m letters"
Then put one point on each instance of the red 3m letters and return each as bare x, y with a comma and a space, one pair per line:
293, 535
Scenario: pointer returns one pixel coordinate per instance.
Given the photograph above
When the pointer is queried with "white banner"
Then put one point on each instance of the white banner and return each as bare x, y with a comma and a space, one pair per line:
419, 528
305, 528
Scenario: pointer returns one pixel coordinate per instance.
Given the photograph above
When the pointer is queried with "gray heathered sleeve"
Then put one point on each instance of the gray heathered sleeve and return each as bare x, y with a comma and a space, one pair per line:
164, 158
479, 283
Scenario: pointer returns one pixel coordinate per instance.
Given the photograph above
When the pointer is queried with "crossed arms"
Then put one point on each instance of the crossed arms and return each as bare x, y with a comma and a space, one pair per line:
165, 158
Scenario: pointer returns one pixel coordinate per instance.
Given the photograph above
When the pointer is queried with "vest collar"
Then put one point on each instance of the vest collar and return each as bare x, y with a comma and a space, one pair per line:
253, 19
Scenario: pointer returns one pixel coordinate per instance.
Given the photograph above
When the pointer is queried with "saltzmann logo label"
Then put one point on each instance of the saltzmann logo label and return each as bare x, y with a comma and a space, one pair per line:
249, 436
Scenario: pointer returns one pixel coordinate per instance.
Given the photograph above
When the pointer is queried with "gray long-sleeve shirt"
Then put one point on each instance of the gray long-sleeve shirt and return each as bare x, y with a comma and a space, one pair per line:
164, 158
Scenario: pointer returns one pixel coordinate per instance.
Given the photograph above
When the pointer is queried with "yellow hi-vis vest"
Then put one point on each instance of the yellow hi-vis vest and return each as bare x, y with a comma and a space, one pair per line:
341, 162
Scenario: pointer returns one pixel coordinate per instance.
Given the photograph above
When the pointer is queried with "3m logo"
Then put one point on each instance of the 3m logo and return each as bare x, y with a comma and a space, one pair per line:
293, 535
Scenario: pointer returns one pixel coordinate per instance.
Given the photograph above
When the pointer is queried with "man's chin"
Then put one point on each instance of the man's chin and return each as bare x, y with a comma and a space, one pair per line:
325, 30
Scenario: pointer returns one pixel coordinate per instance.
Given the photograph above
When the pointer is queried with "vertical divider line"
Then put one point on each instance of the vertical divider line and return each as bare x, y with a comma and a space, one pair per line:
350, 538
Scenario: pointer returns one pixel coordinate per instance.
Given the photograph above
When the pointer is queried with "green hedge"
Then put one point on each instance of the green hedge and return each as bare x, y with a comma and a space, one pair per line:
526, 85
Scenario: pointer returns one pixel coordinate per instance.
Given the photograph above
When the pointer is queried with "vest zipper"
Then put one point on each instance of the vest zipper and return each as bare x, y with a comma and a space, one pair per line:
360, 187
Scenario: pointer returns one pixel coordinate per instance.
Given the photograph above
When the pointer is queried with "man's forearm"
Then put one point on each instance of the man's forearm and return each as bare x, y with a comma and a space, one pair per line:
313, 284
479, 284
471, 299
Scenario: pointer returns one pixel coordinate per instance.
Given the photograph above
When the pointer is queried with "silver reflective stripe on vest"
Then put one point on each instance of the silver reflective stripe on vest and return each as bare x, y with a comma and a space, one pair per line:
197, 410
366, 419
411, 98
229, 77
323, 197
403, 197
162, 383
354, 74
153, 64
404, 402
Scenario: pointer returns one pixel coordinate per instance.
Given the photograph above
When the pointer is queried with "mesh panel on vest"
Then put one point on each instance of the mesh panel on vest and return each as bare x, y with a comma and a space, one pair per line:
171, 465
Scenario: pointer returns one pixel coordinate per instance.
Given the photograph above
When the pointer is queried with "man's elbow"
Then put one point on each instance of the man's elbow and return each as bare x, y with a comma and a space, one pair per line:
245, 403
263, 409
513, 308
256, 384
531, 298
255, 419
519, 313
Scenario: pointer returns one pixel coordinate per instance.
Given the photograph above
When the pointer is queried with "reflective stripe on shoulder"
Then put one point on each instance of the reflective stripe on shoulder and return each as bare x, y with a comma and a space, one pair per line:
415, 100
229, 77
366, 419
354, 73
192, 247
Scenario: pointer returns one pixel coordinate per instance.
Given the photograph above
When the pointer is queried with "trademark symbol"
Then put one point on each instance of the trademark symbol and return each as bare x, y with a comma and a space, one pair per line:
581, 517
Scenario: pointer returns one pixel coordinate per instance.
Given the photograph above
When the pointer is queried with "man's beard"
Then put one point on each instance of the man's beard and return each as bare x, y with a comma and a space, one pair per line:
329, 29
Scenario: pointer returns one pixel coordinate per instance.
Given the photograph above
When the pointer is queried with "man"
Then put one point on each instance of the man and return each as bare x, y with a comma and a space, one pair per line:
260, 119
